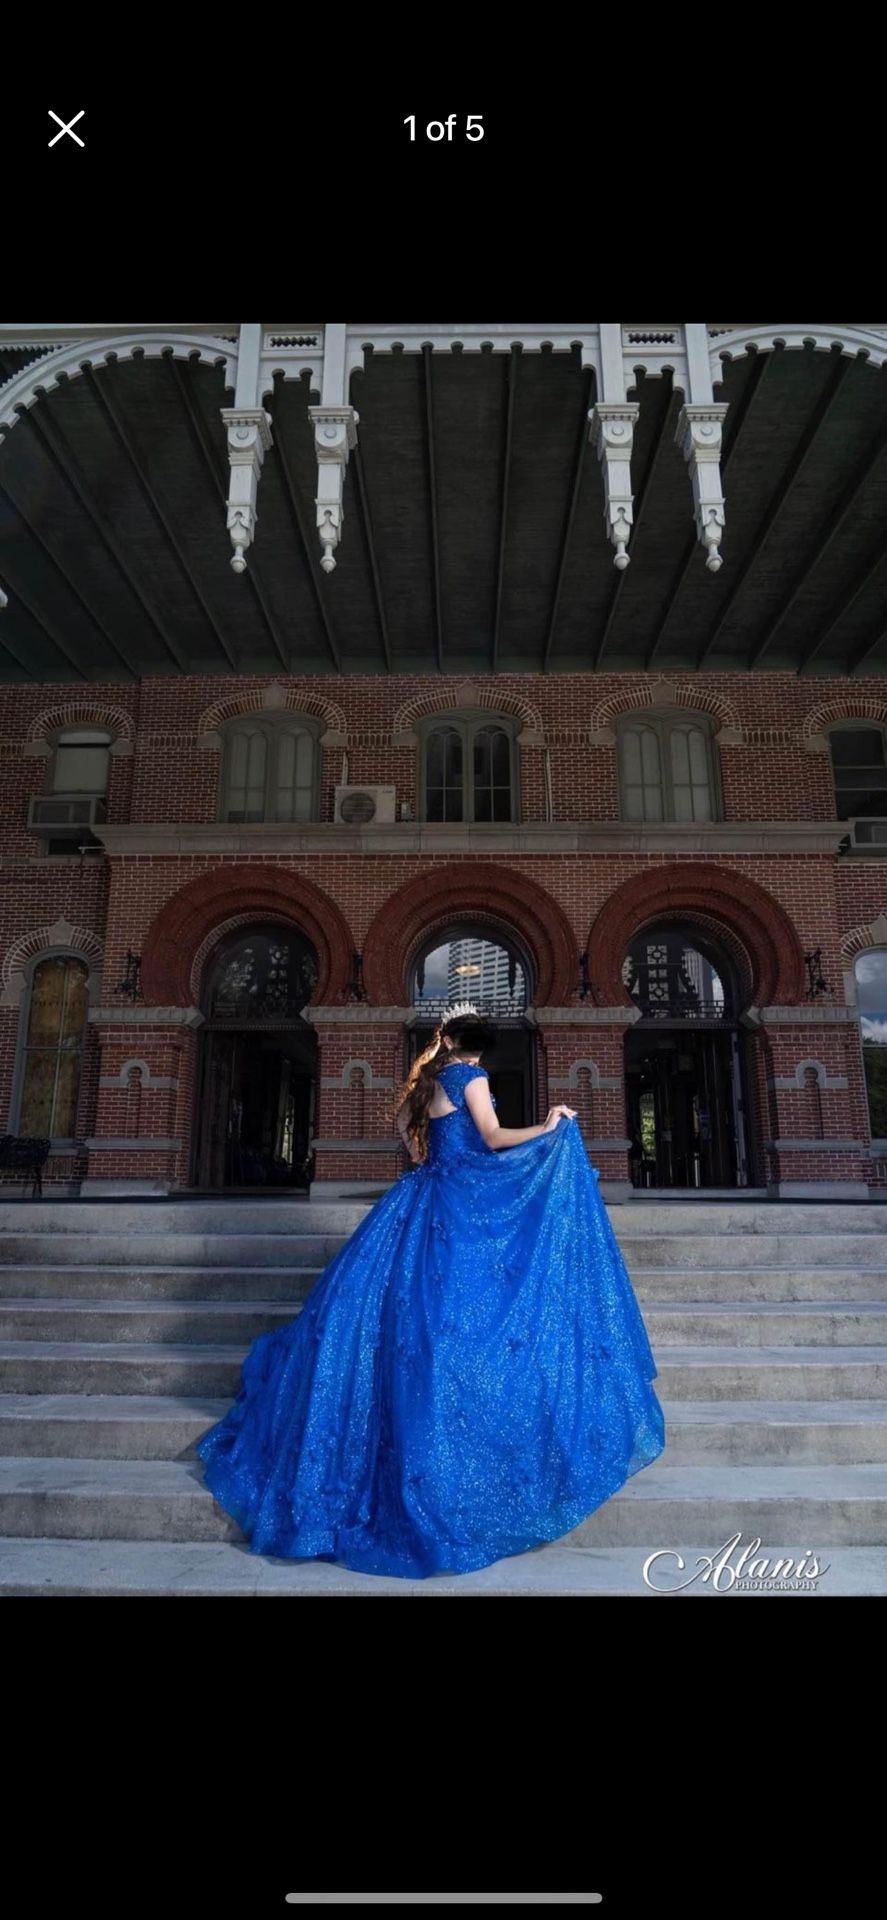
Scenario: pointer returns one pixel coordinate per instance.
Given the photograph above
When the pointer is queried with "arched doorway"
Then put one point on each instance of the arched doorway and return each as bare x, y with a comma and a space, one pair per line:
683, 1066
467, 961
255, 1081
870, 969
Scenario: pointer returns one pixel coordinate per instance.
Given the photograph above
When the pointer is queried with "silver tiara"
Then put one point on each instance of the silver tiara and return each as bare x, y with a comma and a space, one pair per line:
455, 1013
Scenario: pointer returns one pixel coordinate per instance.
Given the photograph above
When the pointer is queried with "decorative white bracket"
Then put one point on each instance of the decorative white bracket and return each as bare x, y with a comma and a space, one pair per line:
698, 435
249, 437
611, 430
335, 433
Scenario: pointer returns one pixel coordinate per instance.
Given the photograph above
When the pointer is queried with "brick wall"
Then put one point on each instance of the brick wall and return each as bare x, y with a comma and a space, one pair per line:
772, 768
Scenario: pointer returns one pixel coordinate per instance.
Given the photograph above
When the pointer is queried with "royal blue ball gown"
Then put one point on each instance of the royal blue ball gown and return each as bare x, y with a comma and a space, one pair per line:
470, 1376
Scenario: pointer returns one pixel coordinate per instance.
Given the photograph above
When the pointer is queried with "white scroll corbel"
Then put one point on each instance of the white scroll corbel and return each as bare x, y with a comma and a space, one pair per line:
698, 435
612, 432
249, 437
335, 425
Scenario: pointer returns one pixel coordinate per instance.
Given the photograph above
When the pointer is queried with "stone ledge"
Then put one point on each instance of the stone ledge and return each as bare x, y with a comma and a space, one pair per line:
586, 1016
355, 1146
803, 1016
113, 1187
816, 1146
134, 1146
818, 1190
530, 836
146, 1016
360, 1014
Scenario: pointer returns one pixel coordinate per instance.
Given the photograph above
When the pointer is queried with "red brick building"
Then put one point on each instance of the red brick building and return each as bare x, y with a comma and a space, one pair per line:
259, 824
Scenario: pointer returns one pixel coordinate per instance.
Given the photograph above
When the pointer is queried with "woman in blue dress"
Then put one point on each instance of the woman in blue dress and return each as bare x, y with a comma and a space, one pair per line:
471, 1375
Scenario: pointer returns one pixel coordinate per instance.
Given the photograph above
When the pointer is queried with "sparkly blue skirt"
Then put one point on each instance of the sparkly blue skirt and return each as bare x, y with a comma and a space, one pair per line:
470, 1377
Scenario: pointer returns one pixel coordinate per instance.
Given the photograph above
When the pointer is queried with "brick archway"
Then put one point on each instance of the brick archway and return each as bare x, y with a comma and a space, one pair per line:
184, 922
744, 910
491, 894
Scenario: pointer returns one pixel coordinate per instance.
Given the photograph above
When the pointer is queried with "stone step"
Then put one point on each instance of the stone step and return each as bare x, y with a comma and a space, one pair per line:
834, 1284
148, 1283
166, 1427
745, 1432
123, 1329
176, 1323
293, 1213
108, 1500
803, 1506
768, 1323
120, 1568
799, 1218
685, 1373
133, 1567
89, 1367
212, 1322
156, 1217
145, 1250
772, 1373
736, 1285
648, 1251
106, 1426
735, 1250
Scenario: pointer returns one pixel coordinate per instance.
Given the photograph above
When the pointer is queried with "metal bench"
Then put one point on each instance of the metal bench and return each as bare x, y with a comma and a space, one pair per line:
25, 1156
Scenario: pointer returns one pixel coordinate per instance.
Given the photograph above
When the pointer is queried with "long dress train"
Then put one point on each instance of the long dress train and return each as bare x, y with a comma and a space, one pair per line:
470, 1377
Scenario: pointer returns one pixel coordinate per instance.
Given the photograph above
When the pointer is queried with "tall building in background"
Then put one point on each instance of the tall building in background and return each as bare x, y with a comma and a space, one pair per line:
478, 970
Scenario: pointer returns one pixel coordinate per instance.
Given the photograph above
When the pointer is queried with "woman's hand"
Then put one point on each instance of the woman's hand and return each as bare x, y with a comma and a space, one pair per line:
555, 1114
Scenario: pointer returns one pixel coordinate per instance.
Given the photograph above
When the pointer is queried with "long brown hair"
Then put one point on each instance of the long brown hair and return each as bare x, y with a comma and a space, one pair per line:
470, 1034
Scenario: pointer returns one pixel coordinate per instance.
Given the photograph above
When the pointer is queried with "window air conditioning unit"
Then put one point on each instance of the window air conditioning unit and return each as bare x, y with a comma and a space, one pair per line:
868, 833
364, 806
64, 816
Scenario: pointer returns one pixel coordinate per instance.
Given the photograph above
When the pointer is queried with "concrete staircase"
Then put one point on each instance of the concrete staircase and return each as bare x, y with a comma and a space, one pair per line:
123, 1326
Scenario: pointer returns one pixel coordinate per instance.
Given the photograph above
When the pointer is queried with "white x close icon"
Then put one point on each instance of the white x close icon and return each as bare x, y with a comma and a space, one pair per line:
67, 128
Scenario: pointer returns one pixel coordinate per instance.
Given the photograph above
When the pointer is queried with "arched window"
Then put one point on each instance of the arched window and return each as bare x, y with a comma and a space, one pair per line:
80, 761
465, 962
74, 789
47, 1079
468, 768
263, 973
674, 978
269, 768
859, 766
870, 969
667, 768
